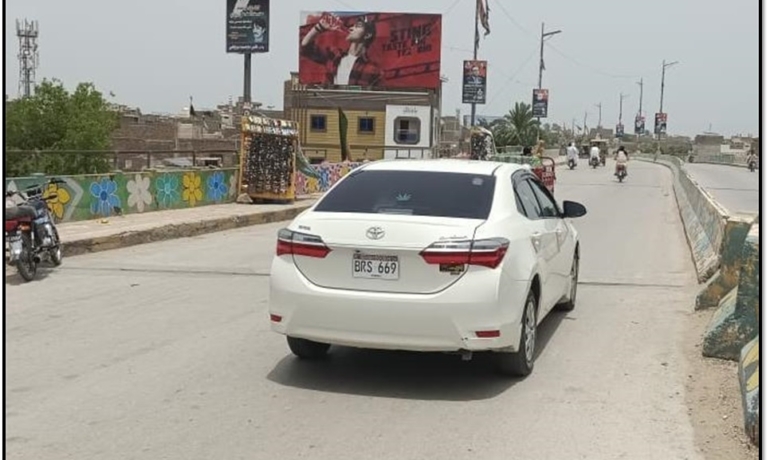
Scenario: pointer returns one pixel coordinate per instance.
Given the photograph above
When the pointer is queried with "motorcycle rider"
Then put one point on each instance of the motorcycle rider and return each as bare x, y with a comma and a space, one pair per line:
621, 160
572, 153
752, 157
594, 154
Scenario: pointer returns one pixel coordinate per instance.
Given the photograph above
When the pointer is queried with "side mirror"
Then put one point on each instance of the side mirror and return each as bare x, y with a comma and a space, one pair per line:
573, 209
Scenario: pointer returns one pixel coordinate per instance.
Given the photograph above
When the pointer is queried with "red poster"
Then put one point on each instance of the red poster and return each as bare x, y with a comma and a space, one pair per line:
372, 50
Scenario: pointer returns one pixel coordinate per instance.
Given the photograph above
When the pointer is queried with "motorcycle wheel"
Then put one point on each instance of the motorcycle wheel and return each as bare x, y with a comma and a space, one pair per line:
55, 253
26, 265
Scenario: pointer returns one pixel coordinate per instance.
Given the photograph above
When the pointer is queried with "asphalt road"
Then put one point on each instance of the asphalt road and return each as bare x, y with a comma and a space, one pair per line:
736, 189
163, 351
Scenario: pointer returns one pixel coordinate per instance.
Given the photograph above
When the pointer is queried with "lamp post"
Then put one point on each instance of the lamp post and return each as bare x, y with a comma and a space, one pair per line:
543, 36
662, 86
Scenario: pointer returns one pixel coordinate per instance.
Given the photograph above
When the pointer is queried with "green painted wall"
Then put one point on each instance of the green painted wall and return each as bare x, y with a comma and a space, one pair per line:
98, 196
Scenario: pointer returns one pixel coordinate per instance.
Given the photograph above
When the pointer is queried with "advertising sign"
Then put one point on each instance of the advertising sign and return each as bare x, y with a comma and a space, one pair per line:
661, 120
540, 103
474, 82
619, 130
370, 50
248, 26
639, 125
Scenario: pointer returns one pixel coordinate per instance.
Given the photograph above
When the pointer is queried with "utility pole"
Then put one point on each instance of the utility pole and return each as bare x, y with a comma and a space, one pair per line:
543, 36
598, 126
662, 86
639, 115
475, 57
620, 116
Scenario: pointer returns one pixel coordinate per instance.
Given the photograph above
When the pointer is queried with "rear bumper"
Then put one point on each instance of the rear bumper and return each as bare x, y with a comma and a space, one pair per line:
443, 322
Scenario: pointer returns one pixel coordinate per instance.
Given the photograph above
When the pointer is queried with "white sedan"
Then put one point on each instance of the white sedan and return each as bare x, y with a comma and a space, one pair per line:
427, 255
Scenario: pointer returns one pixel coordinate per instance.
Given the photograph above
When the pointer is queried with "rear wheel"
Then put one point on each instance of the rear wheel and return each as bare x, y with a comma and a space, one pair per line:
26, 265
569, 305
307, 349
521, 363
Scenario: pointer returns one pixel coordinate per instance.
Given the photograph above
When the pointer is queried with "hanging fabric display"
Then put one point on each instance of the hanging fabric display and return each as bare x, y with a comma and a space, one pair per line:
268, 158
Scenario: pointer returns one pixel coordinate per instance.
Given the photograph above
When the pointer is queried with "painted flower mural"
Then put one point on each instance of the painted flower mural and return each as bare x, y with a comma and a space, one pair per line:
57, 198
167, 190
106, 201
139, 194
192, 192
216, 187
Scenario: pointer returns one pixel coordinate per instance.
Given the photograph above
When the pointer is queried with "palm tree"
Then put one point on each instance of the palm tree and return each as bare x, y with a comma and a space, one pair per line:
522, 123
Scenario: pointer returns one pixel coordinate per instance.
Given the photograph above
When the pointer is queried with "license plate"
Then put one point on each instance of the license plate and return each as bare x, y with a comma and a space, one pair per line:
371, 266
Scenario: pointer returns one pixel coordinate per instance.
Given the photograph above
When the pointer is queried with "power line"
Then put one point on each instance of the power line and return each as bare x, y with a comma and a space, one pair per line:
512, 77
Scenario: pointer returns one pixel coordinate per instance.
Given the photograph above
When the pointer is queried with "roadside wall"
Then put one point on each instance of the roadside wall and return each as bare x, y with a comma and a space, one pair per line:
704, 219
99, 196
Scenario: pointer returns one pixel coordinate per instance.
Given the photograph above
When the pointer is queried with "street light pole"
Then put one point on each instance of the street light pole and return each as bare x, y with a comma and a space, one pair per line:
620, 116
475, 57
662, 86
639, 115
543, 36
599, 125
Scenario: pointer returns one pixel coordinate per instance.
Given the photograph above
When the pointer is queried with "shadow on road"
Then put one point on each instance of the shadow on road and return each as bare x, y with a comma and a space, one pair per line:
405, 375
12, 277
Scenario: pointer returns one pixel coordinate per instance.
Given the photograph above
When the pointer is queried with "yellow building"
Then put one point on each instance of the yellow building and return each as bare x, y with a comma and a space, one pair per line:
381, 124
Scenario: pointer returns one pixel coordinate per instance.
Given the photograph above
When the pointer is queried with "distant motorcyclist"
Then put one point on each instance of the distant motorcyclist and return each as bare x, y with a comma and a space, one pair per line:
752, 158
572, 153
594, 154
621, 160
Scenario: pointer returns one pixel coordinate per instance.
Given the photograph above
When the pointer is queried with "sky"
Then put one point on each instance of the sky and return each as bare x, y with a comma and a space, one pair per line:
156, 54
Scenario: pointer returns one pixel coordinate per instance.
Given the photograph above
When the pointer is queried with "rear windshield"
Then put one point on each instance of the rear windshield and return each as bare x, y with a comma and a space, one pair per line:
417, 193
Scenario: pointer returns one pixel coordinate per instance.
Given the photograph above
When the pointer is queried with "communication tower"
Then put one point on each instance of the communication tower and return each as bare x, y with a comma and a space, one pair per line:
28, 32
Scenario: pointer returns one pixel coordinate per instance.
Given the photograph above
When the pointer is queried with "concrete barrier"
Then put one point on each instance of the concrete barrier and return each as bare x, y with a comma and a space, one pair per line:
736, 321
704, 219
748, 376
726, 279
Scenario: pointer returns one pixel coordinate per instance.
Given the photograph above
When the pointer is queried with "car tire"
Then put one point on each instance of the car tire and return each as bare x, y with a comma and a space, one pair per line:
307, 349
521, 363
569, 305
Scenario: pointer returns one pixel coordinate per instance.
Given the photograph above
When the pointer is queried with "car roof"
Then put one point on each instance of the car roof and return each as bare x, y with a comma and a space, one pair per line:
449, 165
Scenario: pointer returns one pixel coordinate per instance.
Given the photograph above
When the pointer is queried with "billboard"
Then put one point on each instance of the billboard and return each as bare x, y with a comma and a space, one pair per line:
639, 125
248, 26
540, 103
661, 122
370, 50
474, 82
620, 130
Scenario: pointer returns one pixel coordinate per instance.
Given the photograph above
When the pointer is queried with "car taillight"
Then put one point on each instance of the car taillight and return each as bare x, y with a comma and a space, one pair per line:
485, 253
300, 244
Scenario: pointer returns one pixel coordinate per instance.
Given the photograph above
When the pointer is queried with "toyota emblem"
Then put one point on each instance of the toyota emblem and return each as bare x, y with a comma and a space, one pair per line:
375, 233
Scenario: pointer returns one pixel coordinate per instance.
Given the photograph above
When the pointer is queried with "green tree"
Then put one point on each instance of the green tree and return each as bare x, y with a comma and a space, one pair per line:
53, 119
518, 127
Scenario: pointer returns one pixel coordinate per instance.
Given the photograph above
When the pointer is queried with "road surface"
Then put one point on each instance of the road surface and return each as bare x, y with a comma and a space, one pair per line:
737, 189
163, 351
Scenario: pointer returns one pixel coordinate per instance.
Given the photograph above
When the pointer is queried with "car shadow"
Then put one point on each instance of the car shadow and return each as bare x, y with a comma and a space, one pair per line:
406, 375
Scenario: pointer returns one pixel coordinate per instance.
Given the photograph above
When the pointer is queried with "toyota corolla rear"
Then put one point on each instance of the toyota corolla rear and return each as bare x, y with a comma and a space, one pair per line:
389, 259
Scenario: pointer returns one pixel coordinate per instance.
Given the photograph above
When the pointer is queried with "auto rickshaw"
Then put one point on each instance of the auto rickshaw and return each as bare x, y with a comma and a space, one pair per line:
604, 149
483, 148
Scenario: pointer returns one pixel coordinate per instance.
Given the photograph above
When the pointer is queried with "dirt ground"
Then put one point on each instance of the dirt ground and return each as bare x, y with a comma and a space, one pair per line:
714, 398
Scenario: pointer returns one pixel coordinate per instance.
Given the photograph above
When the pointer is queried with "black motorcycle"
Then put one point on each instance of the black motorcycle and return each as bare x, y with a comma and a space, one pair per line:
571, 163
752, 166
594, 162
30, 231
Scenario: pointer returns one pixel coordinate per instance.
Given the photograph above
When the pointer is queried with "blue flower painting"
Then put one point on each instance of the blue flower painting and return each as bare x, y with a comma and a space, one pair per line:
105, 202
167, 190
217, 189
